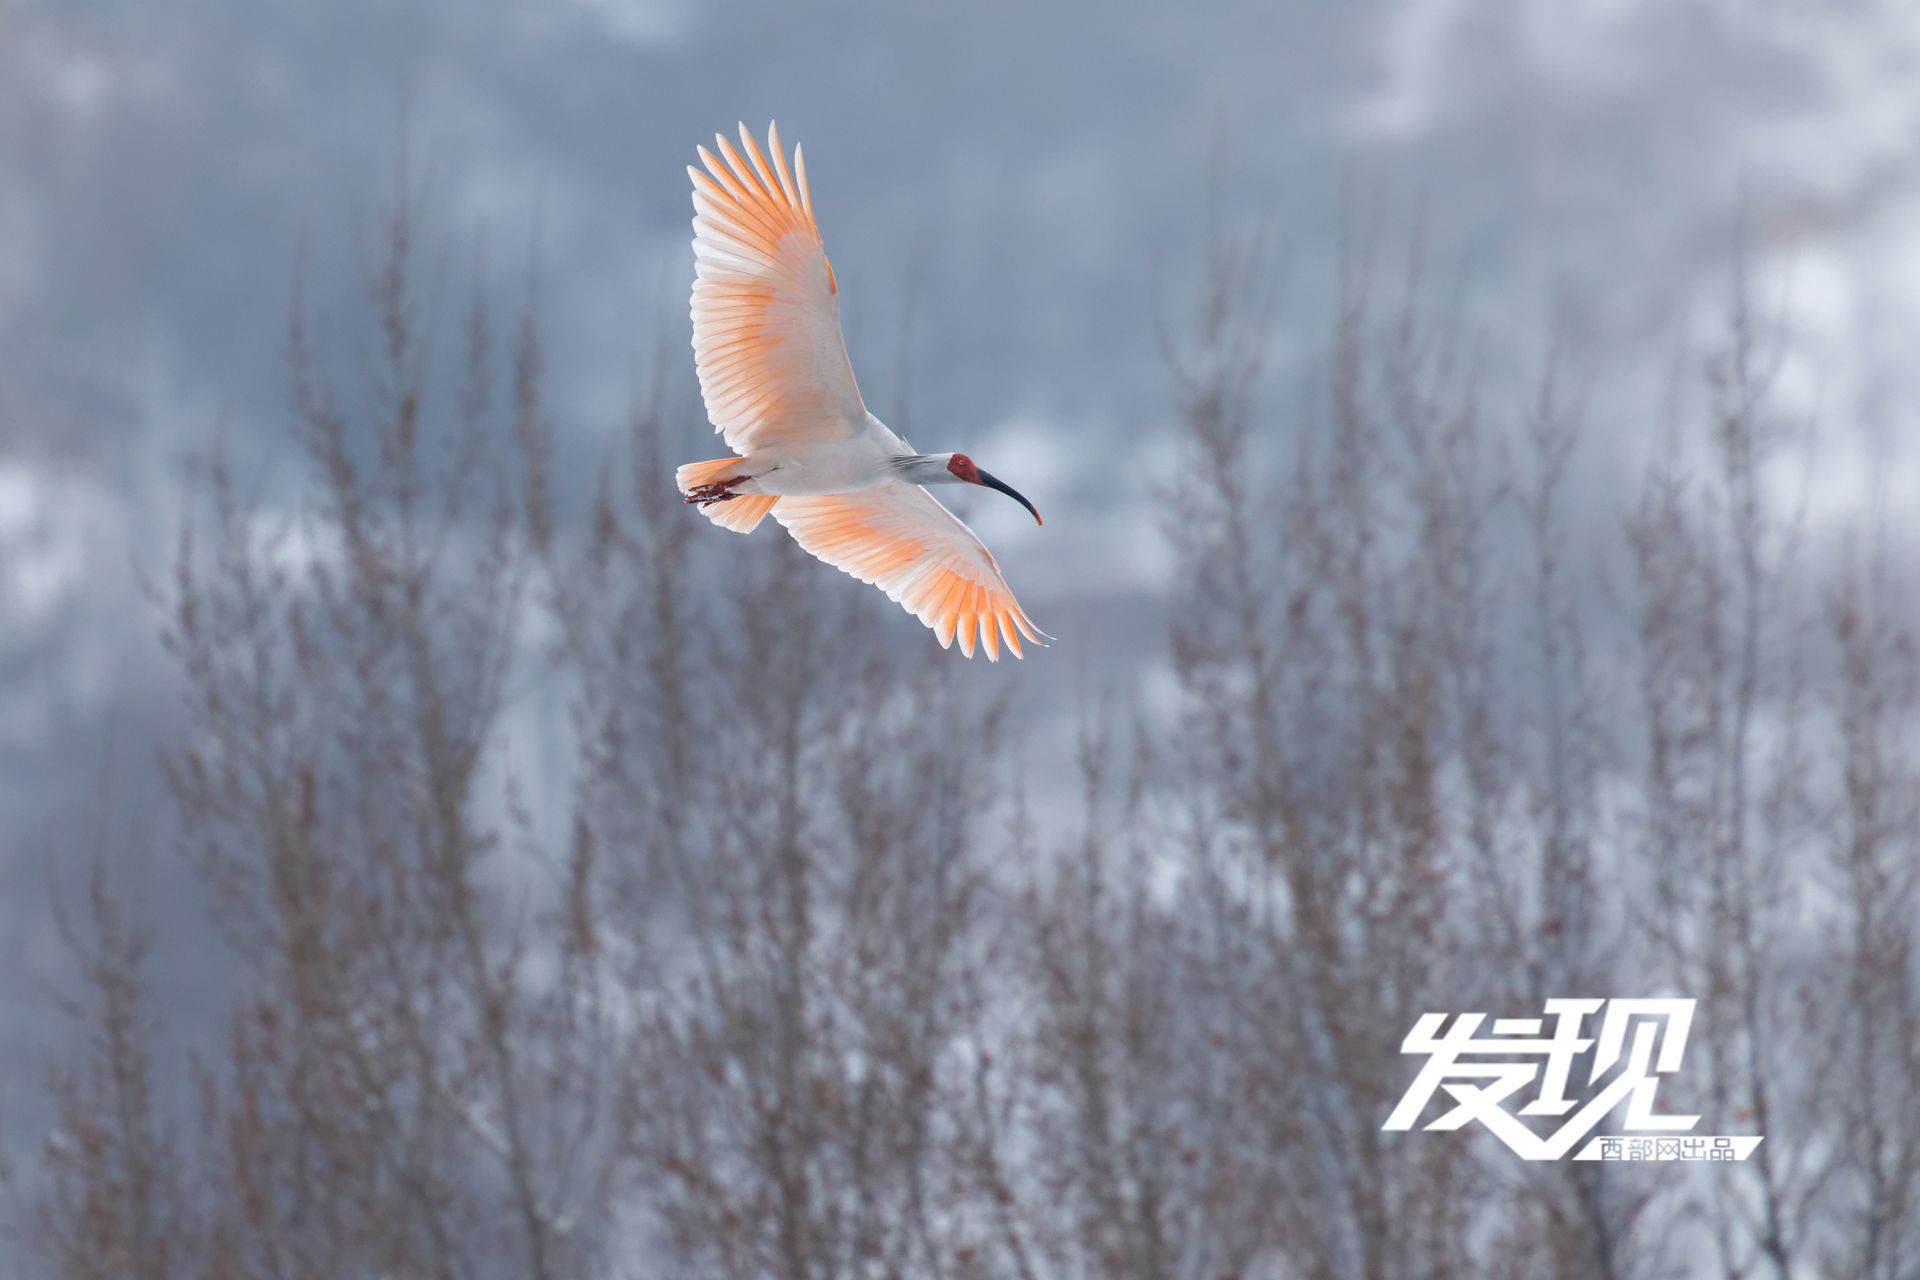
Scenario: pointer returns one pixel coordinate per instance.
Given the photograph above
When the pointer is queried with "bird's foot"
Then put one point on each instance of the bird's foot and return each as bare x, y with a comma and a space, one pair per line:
720, 491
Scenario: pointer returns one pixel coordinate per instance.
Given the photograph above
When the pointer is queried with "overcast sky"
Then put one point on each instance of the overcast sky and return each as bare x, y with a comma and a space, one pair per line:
1010, 192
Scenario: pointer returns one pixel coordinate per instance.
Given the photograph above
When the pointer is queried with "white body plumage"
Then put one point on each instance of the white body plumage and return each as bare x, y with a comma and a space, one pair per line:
862, 460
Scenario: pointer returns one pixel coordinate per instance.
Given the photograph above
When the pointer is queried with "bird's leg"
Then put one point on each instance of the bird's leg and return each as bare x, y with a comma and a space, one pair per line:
719, 491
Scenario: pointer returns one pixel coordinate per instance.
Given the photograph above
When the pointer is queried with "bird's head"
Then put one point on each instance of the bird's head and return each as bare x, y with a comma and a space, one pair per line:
960, 467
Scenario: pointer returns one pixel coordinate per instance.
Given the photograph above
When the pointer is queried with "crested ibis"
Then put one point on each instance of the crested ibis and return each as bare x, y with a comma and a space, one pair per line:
777, 384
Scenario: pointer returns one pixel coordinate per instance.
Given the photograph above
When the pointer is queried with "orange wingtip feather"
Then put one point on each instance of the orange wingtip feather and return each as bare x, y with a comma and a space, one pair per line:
800, 172
751, 190
742, 173
1011, 634
722, 177
780, 165
761, 169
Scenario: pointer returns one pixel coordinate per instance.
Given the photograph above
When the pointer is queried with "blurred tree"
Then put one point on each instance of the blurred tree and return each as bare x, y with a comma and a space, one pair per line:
790, 989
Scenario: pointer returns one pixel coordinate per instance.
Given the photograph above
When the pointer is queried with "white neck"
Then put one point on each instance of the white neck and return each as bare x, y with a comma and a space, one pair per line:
926, 468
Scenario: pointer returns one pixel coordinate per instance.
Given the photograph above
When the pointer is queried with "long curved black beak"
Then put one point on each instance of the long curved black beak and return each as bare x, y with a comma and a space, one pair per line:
1011, 492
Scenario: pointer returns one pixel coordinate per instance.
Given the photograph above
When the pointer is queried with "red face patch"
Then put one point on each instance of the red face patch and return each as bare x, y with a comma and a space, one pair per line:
961, 465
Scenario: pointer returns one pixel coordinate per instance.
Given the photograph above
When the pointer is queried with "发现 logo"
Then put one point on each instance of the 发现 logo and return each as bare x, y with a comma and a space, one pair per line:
1484, 1076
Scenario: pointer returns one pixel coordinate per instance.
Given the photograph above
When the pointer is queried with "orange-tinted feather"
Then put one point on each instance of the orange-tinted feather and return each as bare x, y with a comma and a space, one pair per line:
897, 537
766, 319
741, 513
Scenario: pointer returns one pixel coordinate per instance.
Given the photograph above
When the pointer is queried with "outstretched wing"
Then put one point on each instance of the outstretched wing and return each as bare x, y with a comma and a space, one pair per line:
766, 315
899, 538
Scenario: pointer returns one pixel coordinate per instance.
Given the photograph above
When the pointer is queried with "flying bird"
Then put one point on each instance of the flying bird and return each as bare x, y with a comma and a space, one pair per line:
777, 384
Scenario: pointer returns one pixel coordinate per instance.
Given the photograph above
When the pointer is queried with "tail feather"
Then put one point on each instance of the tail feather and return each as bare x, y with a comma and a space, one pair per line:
694, 474
739, 513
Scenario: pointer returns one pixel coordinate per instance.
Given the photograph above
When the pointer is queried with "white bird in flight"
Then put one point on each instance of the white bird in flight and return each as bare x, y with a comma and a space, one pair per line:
777, 385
